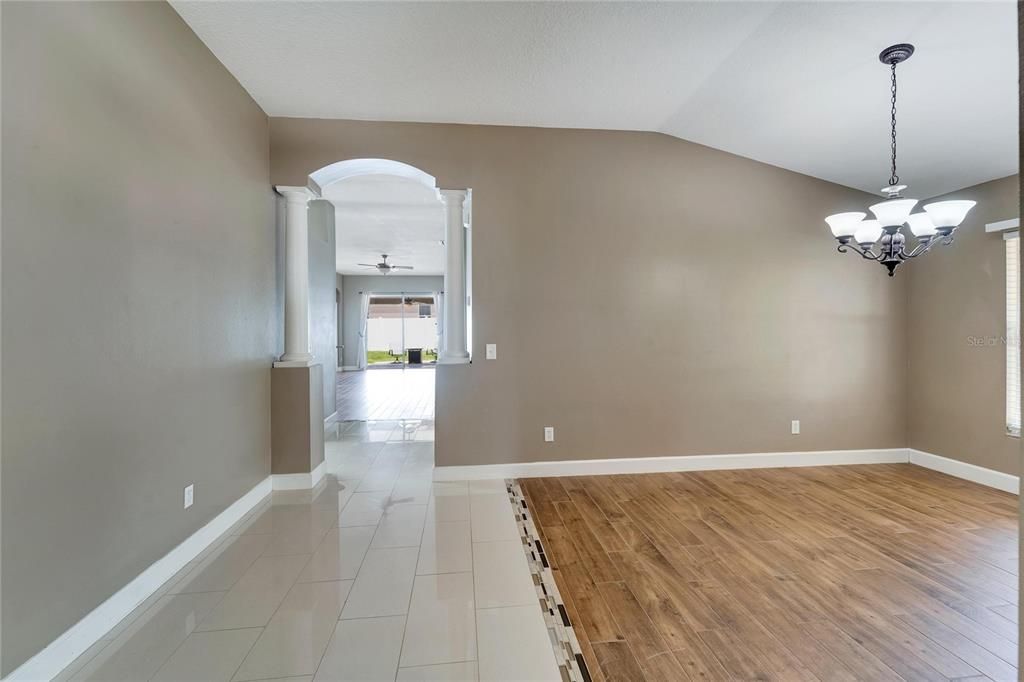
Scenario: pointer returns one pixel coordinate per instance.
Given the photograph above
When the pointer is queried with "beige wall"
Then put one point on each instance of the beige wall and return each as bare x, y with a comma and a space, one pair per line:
956, 378
649, 296
138, 301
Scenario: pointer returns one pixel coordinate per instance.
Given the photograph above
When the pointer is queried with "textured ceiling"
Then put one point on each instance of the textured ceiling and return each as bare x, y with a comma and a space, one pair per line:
379, 214
797, 85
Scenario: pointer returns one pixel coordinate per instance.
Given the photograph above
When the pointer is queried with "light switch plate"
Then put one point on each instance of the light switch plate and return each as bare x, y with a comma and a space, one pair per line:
492, 351
795, 428
549, 434
190, 494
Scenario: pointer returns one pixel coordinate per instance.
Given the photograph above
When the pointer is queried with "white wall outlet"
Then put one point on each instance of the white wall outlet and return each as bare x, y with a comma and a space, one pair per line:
190, 494
549, 434
492, 351
795, 427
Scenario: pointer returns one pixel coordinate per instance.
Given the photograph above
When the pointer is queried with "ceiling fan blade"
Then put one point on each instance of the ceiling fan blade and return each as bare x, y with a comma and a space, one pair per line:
366, 265
402, 267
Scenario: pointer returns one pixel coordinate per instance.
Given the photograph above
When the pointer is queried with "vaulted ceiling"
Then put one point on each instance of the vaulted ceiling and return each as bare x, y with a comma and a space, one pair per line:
794, 84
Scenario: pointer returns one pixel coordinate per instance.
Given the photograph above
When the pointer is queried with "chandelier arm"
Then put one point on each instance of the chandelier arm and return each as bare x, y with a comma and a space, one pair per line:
919, 250
866, 254
924, 247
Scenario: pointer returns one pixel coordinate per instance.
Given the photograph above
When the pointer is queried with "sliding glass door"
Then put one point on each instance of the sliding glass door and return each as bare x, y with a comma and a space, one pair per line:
401, 330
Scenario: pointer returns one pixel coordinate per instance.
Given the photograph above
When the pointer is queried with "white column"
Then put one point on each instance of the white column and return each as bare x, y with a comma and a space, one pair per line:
454, 351
296, 278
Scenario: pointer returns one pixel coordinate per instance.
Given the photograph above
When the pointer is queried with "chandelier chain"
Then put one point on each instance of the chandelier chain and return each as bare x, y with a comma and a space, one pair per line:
893, 178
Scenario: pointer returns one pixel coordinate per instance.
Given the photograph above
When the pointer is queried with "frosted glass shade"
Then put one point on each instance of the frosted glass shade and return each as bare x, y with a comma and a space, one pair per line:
948, 213
921, 225
868, 232
894, 212
844, 224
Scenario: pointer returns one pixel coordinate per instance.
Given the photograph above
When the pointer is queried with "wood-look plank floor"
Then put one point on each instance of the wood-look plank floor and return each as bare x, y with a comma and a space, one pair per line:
879, 572
385, 394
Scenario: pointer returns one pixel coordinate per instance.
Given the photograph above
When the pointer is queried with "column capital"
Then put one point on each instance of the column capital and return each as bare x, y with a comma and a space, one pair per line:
453, 197
295, 194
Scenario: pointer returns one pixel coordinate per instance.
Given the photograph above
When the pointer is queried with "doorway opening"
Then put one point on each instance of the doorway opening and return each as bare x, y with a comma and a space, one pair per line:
391, 265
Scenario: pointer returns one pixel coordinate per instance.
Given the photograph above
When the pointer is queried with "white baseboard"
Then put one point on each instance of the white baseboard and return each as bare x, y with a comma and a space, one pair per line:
303, 481
67, 647
970, 472
645, 465
766, 460
350, 368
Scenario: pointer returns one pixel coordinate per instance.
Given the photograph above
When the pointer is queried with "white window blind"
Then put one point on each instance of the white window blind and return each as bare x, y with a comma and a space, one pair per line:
1012, 241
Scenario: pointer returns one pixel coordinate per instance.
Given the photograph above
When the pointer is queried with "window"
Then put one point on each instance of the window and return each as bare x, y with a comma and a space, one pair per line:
1012, 241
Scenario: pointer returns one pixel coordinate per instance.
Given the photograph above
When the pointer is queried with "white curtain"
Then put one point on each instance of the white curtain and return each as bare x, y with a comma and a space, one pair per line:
439, 311
364, 313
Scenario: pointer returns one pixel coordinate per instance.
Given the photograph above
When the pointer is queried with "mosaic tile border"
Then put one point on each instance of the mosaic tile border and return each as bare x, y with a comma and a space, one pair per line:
563, 639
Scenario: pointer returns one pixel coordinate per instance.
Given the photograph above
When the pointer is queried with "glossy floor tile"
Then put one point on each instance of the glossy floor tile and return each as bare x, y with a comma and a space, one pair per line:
400, 526
208, 656
441, 627
514, 645
383, 585
257, 594
364, 509
491, 519
144, 646
220, 572
446, 548
363, 650
379, 573
446, 672
339, 555
501, 575
296, 637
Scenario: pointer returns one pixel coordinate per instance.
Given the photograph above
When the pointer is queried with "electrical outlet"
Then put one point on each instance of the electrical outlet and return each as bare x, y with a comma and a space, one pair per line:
190, 494
492, 351
549, 434
795, 428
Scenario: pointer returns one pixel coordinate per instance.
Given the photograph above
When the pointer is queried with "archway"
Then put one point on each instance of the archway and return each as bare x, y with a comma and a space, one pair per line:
297, 361
319, 180
457, 221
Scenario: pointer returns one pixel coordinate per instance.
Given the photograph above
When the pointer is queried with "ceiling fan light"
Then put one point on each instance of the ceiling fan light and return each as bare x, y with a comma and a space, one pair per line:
921, 225
844, 224
948, 213
894, 212
868, 232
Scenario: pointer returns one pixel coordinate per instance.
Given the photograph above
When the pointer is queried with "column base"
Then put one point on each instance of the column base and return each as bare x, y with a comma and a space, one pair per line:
294, 361
453, 359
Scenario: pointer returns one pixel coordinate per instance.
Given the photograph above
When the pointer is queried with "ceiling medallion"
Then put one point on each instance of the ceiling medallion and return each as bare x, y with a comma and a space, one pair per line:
881, 239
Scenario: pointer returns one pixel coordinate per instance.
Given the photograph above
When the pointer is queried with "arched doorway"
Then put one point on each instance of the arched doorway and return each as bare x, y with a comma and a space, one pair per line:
300, 201
403, 202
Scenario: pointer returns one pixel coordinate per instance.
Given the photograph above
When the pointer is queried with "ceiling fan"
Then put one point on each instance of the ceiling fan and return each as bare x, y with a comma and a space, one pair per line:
384, 267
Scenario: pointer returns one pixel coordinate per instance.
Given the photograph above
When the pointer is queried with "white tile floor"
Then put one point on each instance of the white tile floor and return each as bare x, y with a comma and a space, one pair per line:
379, 574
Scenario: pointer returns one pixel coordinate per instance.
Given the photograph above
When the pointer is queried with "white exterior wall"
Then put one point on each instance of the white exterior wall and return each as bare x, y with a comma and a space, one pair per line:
385, 333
